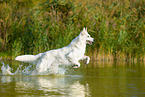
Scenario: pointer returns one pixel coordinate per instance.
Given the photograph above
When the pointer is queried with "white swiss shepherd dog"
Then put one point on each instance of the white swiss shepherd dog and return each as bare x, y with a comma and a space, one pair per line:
67, 56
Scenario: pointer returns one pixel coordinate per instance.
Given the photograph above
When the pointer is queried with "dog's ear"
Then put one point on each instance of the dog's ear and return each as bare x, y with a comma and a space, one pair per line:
83, 32
84, 29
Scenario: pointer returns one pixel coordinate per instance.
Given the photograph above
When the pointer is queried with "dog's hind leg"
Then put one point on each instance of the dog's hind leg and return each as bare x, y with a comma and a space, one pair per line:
54, 68
43, 65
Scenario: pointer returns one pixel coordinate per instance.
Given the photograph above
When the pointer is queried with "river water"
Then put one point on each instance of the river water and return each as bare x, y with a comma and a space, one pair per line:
97, 79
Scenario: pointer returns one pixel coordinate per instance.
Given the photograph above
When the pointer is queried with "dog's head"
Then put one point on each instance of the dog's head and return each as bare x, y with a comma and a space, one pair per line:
84, 36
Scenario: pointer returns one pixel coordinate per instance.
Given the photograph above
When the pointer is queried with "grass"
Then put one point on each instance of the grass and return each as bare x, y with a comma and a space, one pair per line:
5, 55
31, 27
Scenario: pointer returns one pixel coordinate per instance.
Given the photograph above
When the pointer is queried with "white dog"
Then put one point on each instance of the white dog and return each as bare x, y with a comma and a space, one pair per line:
69, 55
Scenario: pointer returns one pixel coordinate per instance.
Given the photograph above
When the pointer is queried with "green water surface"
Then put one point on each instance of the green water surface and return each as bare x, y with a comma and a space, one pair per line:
97, 79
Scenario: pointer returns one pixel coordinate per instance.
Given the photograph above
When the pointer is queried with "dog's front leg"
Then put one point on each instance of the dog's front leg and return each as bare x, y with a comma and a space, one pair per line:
73, 60
86, 57
76, 64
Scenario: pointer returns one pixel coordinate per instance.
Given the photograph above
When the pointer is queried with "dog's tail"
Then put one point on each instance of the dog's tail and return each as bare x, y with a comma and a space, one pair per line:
29, 58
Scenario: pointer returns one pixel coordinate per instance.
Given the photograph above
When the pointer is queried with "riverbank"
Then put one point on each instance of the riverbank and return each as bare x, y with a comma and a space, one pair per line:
95, 57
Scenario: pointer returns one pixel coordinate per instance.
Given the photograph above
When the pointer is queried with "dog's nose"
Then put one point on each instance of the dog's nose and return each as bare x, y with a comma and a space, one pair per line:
93, 39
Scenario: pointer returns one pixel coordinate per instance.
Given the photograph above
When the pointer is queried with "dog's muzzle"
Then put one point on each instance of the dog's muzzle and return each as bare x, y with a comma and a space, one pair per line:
90, 42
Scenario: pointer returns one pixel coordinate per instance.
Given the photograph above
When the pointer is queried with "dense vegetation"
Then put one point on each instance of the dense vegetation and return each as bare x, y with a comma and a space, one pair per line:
34, 26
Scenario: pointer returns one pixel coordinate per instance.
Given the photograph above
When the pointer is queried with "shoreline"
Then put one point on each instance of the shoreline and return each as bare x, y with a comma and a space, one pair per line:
94, 57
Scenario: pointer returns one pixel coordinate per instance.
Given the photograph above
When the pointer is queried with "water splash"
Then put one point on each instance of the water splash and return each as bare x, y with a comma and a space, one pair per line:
6, 70
31, 70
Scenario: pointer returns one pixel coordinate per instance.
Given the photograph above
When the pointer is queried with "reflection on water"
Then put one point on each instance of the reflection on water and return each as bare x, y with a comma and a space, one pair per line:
98, 79
43, 85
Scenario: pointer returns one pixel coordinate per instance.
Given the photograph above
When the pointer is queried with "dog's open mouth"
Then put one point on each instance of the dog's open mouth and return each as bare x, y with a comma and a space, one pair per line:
89, 42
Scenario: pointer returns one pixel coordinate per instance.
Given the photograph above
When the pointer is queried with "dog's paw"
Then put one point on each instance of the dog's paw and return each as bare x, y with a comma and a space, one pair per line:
87, 62
75, 66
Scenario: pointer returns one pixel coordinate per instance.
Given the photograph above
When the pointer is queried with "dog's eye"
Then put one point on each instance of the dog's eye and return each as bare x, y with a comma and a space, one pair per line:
88, 36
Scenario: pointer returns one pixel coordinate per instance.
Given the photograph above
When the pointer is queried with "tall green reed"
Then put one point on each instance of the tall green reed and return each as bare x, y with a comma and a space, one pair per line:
31, 27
